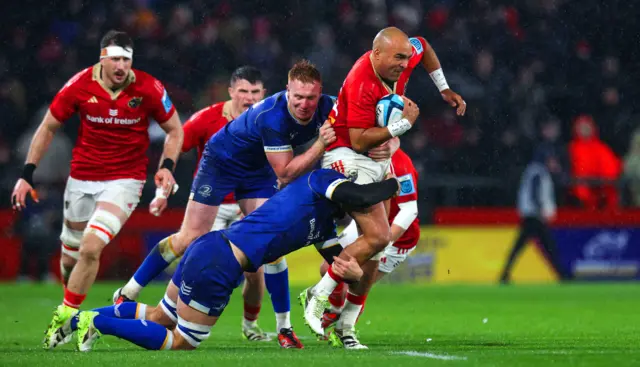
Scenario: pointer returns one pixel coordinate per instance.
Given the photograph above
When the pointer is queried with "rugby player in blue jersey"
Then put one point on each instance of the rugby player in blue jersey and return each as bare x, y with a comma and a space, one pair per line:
248, 157
301, 214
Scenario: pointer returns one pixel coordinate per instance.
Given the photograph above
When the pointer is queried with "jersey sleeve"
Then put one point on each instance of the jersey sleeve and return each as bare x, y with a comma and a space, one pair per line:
360, 106
160, 108
64, 104
407, 176
195, 131
408, 188
324, 181
274, 139
419, 44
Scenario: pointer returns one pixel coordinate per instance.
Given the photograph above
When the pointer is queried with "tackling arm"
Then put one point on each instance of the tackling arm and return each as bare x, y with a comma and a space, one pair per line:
355, 196
288, 168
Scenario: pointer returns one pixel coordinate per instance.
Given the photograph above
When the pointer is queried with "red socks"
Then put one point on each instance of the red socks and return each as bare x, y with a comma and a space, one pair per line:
73, 299
337, 297
251, 312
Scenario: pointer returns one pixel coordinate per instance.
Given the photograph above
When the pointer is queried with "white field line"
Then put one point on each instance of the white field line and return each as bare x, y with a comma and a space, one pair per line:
443, 357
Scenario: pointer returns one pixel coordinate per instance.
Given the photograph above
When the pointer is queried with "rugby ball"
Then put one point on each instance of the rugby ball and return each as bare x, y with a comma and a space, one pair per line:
389, 110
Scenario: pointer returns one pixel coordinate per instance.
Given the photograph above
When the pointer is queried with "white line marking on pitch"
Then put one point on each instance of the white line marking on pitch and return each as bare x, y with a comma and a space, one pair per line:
444, 357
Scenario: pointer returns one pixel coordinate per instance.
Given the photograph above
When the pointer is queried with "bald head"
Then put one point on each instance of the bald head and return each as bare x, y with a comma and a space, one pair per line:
389, 36
391, 53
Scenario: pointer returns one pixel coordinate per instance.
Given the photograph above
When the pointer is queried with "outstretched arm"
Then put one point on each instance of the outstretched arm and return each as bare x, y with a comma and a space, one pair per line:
431, 63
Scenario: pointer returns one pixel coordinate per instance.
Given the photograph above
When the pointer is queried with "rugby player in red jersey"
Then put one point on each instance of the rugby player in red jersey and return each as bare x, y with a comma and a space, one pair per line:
383, 70
109, 162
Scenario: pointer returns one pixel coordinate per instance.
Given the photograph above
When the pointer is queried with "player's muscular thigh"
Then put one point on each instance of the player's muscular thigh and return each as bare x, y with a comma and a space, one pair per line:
375, 233
374, 226
198, 220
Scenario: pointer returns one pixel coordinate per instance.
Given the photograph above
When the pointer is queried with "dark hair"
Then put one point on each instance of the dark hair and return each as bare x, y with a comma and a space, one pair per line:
248, 73
305, 72
116, 38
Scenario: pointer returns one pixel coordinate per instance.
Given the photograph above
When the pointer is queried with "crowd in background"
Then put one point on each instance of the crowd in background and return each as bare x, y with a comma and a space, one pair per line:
554, 73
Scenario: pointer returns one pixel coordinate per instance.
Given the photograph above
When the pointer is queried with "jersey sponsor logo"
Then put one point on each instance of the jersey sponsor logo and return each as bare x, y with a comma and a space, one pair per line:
92, 100
205, 191
417, 45
113, 112
135, 102
166, 102
407, 187
313, 235
111, 120
281, 148
292, 135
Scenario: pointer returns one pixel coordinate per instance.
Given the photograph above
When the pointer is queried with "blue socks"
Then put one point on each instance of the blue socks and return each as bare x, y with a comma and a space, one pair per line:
276, 277
158, 259
145, 334
125, 310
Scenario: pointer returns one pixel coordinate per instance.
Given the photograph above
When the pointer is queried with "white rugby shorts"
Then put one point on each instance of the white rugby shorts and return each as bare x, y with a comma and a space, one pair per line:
392, 257
357, 167
81, 197
80, 201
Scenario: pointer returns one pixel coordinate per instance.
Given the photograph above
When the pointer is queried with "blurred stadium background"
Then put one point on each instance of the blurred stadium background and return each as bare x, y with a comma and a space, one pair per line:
529, 70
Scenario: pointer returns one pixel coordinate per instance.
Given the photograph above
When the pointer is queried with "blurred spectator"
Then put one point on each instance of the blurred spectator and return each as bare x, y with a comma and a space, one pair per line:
632, 169
536, 208
592, 160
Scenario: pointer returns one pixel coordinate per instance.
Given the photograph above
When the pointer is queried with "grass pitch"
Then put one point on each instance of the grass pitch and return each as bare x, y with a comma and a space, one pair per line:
403, 325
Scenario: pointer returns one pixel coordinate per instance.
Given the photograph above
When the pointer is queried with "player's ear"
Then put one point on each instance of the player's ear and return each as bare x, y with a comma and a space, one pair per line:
230, 91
